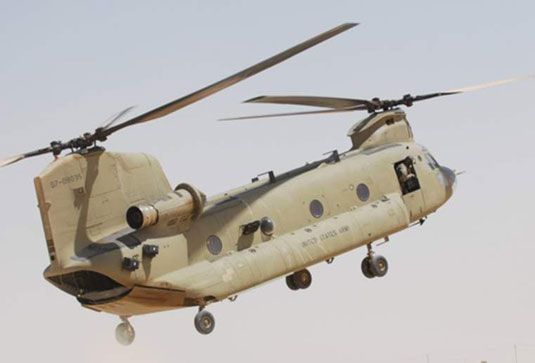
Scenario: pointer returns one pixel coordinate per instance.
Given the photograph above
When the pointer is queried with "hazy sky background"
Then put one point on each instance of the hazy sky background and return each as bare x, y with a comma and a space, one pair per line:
460, 289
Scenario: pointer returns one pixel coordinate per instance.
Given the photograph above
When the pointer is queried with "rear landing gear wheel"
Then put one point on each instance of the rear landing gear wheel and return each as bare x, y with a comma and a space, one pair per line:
204, 322
378, 266
366, 268
125, 333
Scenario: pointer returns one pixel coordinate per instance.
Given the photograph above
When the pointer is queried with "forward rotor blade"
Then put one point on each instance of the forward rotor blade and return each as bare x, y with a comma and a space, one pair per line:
347, 109
408, 101
229, 81
491, 84
350, 104
328, 102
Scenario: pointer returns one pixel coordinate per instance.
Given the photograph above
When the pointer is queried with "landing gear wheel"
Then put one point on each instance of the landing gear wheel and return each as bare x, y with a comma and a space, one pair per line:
204, 322
302, 279
291, 283
125, 333
366, 268
378, 266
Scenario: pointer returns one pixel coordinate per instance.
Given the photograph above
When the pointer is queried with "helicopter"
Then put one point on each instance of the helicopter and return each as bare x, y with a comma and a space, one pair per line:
122, 240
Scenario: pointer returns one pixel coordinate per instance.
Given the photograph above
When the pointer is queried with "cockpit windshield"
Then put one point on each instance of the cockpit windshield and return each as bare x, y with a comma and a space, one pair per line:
433, 164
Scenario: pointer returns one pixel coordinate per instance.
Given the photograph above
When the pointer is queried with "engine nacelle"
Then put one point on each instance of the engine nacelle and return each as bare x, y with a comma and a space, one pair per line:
180, 207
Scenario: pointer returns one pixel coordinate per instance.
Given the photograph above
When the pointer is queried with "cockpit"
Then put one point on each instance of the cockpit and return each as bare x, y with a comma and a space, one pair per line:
449, 176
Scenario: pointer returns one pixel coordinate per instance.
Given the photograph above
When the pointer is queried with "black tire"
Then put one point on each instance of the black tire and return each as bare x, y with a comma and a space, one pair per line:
366, 268
378, 266
204, 322
302, 279
291, 283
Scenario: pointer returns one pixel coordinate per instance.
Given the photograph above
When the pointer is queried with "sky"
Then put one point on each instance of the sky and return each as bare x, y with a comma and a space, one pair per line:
459, 289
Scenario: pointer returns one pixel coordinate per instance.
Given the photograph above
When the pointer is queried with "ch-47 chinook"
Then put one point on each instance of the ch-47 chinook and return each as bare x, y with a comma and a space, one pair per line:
121, 240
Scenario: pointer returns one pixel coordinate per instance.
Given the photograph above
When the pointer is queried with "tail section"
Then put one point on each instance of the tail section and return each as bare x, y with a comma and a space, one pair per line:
84, 198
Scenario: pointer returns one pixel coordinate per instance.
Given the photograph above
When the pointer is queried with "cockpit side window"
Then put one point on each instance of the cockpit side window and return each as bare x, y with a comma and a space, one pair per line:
408, 180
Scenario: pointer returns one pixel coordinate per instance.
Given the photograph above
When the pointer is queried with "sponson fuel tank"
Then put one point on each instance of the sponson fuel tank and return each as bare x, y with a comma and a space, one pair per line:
292, 251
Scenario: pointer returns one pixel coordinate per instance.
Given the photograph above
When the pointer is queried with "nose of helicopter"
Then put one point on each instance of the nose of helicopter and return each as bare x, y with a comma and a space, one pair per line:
450, 179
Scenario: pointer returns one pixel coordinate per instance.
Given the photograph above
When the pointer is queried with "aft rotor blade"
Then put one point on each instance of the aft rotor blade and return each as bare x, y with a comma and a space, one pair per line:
117, 117
229, 81
327, 102
11, 160
16, 158
348, 109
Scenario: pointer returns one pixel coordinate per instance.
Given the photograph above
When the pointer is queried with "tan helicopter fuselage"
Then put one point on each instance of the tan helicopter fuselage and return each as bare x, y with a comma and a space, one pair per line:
237, 240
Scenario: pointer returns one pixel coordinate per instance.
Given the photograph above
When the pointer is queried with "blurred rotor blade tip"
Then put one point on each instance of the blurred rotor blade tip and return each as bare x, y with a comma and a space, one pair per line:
485, 85
11, 160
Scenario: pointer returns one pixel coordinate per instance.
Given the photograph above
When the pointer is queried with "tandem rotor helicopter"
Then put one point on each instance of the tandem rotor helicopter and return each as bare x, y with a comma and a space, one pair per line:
122, 240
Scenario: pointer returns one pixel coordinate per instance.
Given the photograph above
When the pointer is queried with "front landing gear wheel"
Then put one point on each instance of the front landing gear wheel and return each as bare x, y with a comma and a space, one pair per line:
291, 283
204, 322
302, 279
378, 266
125, 333
366, 268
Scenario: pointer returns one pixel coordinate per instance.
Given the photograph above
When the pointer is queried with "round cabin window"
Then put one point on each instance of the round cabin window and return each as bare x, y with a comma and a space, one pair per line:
316, 208
214, 245
363, 192
267, 226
